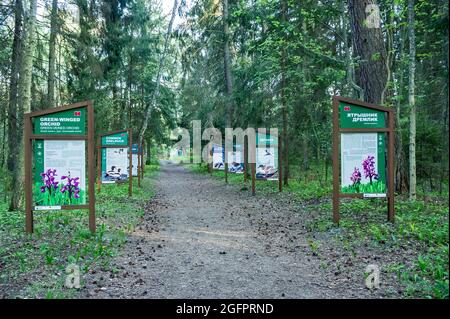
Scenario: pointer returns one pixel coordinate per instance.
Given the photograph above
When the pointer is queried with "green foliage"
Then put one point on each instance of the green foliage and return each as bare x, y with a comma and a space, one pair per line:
422, 227
374, 187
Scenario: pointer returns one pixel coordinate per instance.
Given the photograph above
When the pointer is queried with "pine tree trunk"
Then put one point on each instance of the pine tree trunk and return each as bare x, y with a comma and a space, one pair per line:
369, 48
412, 102
52, 55
13, 125
285, 146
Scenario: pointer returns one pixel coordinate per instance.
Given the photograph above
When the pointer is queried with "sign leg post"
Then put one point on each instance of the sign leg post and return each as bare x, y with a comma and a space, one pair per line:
99, 164
253, 168
390, 184
336, 136
91, 168
28, 191
142, 161
226, 172
139, 168
245, 160
130, 164
280, 166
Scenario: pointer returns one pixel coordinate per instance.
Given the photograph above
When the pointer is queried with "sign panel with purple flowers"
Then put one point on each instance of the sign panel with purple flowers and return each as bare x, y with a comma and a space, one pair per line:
59, 173
58, 160
363, 163
363, 155
59, 165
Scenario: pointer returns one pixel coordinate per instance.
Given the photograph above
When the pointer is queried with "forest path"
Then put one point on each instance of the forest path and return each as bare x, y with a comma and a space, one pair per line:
197, 241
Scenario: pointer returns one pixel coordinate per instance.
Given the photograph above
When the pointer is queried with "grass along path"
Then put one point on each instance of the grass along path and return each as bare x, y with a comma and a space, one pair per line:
33, 266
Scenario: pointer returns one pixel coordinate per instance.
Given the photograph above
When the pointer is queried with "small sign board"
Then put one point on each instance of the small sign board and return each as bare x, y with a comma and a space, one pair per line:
268, 160
115, 158
218, 157
236, 160
266, 156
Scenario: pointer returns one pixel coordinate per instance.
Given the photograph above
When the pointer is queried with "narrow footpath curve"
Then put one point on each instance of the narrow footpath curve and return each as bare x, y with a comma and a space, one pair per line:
197, 241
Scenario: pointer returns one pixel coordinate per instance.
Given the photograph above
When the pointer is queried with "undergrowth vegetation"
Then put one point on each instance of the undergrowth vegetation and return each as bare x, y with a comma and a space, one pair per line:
35, 265
420, 230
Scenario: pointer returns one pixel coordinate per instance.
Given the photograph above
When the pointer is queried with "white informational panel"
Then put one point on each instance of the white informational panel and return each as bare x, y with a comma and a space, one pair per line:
235, 163
116, 165
67, 162
218, 160
135, 161
266, 163
355, 148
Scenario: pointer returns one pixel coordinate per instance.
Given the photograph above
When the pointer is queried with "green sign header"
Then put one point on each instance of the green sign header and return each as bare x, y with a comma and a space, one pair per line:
266, 139
71, 122
118, 139
353, 116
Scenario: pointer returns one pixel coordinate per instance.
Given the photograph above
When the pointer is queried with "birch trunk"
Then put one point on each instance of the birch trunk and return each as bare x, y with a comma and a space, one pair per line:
155, 93
412, 102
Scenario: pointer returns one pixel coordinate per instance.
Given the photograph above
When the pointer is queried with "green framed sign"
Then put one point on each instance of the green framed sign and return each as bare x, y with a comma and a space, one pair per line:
115, 158
363, 162
266, 156
59, 168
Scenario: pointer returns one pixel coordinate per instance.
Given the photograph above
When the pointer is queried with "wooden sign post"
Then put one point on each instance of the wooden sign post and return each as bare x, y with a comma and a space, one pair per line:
137, 160
142, 160
56, 161
119, 139
363, 165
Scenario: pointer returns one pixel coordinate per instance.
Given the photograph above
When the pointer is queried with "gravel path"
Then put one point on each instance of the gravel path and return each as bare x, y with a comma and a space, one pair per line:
201, 238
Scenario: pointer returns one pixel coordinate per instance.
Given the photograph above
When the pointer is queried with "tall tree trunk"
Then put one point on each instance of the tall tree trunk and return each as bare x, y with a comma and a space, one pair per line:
412, 102
285, 148
24, 97
371, 73
52, 55
13, 129
352, 89
155, 93
401, 183
445, 108
228, 76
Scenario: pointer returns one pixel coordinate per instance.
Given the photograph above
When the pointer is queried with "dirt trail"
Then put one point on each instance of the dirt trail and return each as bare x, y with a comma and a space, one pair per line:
201, 238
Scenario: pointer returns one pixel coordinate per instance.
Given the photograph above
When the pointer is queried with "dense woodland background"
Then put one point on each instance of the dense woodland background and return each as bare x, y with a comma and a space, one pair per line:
238, 63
